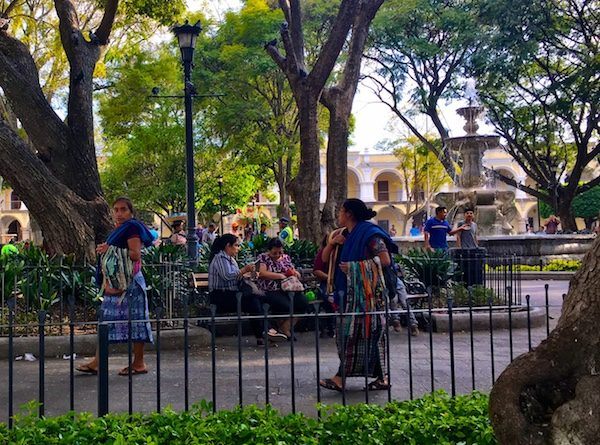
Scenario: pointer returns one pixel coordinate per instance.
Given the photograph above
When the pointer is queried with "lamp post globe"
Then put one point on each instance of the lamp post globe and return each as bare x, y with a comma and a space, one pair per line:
186, 36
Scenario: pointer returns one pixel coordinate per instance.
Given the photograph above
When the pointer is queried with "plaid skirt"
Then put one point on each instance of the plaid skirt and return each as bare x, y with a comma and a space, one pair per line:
118, 308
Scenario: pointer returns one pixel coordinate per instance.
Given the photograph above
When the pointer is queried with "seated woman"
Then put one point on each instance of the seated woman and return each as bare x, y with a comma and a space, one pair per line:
225, 278
276, 266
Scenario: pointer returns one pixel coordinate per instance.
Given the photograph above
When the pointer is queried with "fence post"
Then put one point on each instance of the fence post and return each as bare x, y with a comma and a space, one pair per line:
102, 366
451, 337
41, 358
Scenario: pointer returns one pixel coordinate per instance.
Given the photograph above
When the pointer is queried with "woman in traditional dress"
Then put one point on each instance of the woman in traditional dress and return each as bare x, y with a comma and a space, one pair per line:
123, 286
274, 267
358, 253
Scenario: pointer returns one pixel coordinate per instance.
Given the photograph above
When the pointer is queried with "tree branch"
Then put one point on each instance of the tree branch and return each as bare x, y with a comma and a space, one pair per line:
103, 31
20, 82
334, 44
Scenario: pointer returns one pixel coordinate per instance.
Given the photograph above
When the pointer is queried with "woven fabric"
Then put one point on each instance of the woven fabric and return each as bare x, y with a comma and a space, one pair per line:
361, 339
117, 308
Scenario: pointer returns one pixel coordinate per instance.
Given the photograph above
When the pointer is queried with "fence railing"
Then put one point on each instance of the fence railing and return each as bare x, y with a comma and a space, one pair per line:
461, 348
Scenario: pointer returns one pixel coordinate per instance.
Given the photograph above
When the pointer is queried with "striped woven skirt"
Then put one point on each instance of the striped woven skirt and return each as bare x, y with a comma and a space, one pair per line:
119, 308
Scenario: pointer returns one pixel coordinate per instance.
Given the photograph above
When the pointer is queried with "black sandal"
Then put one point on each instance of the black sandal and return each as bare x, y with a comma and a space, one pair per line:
378, 385
330, 384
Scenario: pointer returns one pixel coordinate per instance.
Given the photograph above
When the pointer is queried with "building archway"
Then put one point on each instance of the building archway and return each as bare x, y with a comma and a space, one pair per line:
353, 185
388, 187
15, 230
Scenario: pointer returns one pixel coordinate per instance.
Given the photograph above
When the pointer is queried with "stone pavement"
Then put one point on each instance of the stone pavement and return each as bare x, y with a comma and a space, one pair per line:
172, 390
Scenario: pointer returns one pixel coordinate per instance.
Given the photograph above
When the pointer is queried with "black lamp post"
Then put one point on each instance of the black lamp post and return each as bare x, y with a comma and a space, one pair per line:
187, 35
221, 202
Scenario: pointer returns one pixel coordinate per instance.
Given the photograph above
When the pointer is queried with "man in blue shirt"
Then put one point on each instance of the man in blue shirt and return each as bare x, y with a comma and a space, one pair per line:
436, 229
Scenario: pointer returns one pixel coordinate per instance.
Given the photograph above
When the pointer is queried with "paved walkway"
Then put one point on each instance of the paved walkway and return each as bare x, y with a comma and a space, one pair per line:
280, 389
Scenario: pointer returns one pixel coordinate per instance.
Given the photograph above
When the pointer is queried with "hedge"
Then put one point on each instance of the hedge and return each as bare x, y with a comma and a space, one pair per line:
435, 419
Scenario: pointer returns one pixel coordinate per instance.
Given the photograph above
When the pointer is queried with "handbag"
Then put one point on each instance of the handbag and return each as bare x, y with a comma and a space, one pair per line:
249, 287
292, 284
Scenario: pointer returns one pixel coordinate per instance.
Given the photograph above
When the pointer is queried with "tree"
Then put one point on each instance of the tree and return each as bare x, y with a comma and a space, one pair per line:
423, 176
539, 78
307, 87
417, 56
587, 206
256, 118
338, 99
145, 143
550, 395
53, 167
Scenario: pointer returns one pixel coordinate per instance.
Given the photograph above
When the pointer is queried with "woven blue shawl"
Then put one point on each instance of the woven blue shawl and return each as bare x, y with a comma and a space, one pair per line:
355, 248
118, 237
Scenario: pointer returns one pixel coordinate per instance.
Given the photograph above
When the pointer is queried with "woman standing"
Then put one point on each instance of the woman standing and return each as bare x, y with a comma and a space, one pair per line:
361, 251
275, 266
123, 286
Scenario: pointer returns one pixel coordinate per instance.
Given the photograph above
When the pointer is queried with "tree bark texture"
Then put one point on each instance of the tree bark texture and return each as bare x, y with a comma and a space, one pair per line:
307, 88
338, 101
551, 394
54, 171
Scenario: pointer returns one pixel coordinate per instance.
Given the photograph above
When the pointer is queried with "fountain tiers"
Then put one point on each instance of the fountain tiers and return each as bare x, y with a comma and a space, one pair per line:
494, 209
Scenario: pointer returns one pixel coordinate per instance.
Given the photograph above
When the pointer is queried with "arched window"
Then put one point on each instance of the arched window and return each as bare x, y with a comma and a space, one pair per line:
14, 228
15, 201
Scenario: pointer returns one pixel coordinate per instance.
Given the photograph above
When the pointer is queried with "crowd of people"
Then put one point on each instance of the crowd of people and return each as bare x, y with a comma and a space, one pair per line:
354, 268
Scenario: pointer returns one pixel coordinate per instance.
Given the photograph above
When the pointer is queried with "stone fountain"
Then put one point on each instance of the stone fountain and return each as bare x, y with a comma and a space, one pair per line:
472, 188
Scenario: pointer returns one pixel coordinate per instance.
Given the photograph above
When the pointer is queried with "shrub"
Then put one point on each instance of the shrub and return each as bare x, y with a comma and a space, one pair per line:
432, 268
553, 266
434, 419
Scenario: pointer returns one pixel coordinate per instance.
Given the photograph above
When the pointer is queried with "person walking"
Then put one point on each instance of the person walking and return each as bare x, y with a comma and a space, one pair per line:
123, 286
360, 251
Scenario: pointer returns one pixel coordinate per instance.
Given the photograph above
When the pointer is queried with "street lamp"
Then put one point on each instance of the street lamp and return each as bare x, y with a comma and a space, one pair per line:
187, 35
221, 202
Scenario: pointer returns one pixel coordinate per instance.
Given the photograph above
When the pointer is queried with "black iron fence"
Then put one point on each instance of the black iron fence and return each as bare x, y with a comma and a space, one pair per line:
466, 340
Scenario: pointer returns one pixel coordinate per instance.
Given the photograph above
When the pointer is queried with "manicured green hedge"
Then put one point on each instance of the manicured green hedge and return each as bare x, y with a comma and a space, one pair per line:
438, 419
554, 266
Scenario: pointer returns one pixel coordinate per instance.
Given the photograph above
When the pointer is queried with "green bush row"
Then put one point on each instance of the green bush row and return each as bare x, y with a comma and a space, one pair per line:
554, 266
435, 419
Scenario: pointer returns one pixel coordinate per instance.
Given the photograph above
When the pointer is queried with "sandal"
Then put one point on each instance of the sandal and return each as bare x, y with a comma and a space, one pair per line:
330, 384
125, 371
378, 385
87, 370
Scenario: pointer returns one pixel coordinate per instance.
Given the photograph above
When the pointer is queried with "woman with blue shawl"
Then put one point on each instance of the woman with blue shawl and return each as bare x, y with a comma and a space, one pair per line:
360, 252
123, 286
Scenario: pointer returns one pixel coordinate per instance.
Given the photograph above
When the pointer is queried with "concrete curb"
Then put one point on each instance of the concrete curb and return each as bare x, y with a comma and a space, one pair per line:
85, 344
481, 320
547, 276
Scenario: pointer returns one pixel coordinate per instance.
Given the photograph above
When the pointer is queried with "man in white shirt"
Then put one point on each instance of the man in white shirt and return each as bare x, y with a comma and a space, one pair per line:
208, 237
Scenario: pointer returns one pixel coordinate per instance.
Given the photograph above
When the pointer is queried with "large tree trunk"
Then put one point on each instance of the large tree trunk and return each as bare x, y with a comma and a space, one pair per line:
551, 395
565, 215
337, 156
54, 169
306, 186
338, 101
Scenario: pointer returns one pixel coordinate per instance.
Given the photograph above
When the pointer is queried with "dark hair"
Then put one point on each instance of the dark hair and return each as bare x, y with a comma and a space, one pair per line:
274, 243
127, 202
439, 209
212, 224
220, 243
469, 209
358, 209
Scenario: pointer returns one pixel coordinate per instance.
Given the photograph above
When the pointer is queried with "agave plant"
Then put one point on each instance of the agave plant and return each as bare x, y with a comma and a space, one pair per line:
434, 269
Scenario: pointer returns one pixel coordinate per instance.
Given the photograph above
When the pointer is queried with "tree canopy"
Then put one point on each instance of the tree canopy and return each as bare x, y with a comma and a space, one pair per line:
539, 78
